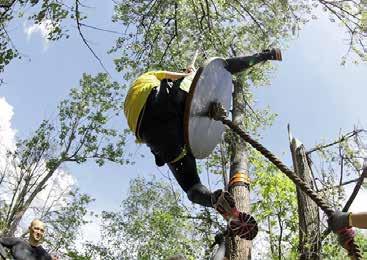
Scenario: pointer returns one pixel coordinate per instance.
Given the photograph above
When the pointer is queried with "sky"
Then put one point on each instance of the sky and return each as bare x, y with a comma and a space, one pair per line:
309, 90
54, 194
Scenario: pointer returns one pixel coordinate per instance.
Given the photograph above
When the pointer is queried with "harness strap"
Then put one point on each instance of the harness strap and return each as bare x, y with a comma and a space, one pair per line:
182, 154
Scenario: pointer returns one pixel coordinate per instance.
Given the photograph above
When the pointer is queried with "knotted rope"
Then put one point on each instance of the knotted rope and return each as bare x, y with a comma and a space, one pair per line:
218, 113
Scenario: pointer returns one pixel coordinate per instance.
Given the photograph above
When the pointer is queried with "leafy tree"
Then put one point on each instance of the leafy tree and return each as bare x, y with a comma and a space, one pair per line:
275, 208
85, 130
49, 13
63, 225
153, 225
161, 34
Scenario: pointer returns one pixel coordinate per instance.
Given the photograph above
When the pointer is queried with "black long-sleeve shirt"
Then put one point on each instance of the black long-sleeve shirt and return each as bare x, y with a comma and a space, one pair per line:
22, 250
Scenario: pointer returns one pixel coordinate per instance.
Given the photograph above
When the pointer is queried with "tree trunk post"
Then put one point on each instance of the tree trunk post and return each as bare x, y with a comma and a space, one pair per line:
308, 212
239, 249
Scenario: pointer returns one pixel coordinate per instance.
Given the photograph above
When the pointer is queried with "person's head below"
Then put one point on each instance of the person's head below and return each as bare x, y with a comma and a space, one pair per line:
36, 232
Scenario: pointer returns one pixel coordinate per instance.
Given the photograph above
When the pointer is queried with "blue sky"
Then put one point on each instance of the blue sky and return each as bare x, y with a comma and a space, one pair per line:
309, 90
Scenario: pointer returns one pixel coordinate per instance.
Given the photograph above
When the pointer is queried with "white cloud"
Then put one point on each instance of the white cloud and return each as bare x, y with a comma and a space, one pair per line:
7, 133
41, 29
56, 190
53, 196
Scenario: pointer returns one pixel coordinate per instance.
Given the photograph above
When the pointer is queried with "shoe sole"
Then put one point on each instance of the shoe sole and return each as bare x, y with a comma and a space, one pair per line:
278, 54
224, 203
245, 226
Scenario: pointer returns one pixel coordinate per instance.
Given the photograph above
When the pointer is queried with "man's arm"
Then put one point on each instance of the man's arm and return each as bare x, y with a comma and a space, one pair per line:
358, 220
2, 252
8, 242
342, 224
175, 75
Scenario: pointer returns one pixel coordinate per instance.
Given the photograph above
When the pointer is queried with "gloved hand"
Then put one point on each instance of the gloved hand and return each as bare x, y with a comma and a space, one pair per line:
339, 221
345, 237
190, 69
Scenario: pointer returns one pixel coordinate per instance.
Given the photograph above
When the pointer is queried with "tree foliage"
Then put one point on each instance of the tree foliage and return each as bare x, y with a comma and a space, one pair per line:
85, 130
49, 13
152, 224
165, 33
275, 208
63, 225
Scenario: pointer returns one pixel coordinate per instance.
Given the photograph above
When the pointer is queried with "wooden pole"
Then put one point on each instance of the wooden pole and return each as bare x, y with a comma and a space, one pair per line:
308, 212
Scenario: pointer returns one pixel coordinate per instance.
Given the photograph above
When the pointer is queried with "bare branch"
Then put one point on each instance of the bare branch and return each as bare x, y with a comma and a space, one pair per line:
99, 29
341, 139
356, 190
339, 185
77, 17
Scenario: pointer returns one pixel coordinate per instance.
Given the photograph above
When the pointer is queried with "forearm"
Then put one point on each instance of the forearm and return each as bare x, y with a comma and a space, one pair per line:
175, 75
8, 241
2, 252
358, 220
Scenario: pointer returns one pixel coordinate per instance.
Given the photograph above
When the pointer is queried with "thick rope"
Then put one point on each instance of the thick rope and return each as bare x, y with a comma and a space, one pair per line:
217, 112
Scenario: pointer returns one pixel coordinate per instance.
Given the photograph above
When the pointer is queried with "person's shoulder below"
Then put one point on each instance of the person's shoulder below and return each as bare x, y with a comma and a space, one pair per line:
12, 240
42, 253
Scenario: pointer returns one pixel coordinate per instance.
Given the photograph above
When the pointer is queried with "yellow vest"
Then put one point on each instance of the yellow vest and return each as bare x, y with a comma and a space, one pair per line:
139, 92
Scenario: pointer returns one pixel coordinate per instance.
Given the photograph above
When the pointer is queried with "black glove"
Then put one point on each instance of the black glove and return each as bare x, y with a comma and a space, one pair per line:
339, 221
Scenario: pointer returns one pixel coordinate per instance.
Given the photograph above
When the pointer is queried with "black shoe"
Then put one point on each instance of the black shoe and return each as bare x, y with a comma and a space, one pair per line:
273, 54
224, 203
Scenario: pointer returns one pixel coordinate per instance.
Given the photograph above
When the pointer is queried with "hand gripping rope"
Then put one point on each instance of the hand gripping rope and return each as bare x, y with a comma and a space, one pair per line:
218, 113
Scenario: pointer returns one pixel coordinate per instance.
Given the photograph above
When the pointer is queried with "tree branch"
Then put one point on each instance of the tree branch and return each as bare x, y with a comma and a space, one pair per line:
356, 190
77, 17
342, 139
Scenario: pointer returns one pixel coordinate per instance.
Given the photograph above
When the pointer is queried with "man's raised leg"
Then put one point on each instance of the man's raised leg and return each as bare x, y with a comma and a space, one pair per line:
239, 64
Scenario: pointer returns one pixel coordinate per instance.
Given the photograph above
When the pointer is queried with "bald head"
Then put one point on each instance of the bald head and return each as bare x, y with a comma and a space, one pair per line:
36, 232
37, 222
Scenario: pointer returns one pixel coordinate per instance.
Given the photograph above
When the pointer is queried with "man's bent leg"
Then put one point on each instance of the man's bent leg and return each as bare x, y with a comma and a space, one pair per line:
239, 64
240, 223
185, 172
200, 194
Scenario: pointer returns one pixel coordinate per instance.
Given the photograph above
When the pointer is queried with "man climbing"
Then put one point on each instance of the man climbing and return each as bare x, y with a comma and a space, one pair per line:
27, 250
342, 224
154, 108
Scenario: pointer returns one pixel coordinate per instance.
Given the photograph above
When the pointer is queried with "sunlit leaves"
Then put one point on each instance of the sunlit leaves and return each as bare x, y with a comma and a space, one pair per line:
151, 224
276, 206
86, 129
166, 34
50, 14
